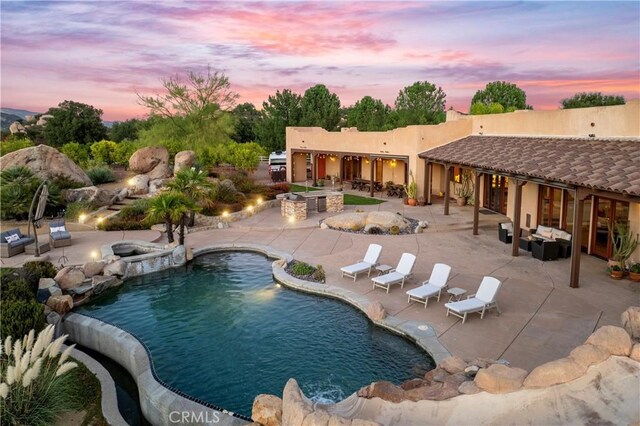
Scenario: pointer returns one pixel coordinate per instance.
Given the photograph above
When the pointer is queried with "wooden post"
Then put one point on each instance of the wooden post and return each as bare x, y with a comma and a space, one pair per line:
341, 166
430, 187
476, 202
515, 251
576, 238
371, 176
447, 185
314, 172
427, 181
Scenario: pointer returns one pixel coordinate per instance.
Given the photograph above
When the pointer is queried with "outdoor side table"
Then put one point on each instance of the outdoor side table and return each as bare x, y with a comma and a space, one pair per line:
383, 269
525, 243
456, 293
31, 248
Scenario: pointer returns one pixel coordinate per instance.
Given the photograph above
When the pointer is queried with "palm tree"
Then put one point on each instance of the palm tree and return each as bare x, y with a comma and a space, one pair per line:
170, 207
194, 184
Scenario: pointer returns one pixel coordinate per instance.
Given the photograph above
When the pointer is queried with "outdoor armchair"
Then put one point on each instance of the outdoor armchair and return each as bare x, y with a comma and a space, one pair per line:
433, 286
58, 234
12, 242
505, 232
482, 301
545, 250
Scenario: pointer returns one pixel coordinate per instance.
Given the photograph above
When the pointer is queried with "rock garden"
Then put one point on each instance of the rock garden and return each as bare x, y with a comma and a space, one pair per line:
376, 222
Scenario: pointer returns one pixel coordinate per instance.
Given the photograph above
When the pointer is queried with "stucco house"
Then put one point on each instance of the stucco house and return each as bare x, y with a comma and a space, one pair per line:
556, 168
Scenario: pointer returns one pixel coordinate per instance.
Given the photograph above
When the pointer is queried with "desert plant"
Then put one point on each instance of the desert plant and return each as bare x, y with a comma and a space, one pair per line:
319, 274
464, 189
103, 151
302, 269
100, 174
635, 268
170, 207
18, 186
624, 243
195, 185
75, 209
35, 386
411, 189
374, 230
76, 152
394, 230
356, 227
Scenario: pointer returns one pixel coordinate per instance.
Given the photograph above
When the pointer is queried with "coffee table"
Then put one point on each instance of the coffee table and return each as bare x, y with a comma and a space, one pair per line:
456, 293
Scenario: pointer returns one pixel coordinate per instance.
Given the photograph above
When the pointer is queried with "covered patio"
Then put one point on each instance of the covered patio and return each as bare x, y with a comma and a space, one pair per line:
588, 169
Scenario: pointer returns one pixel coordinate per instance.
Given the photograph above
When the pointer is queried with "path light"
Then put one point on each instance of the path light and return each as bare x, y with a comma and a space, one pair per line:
292, 219
100, 220
225, 213
250, 208
259, 200
82, 218
131, 182
94, 255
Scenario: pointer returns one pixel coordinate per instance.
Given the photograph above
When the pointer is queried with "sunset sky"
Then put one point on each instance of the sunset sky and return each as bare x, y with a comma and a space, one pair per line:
102, 52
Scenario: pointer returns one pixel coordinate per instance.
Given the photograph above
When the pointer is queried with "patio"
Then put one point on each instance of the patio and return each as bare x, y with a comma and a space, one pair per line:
542, 317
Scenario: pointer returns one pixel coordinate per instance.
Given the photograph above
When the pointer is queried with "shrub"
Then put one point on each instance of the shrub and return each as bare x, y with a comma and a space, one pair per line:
34, 270
35, 385
224, 194
16, 288
302, 269
374, 230
130, 218
280, 187
63, 182
394, 230
20, 316
242, 182
319, 274
14, 144
18, 184
76, 152
100, 174
103, 151
123, 225
135, 210
266, 192
123, 151
75, 209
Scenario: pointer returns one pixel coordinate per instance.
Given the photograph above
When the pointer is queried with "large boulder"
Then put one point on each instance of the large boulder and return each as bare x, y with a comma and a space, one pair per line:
453, 365
561, 370
614, 340
60, 304
93, 268
631, 321
17, 127
386, 220
69, 277
267, 410
183, 160
588, 355
100, 283
376, 312
117, 268
92, 194
139, 184
45, 162
295, 406
635, 352
499, 378
152, 161
350, 221
384, 390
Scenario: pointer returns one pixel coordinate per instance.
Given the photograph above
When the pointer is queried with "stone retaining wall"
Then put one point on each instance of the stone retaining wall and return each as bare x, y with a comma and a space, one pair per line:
293, 208
215, 222
157, 258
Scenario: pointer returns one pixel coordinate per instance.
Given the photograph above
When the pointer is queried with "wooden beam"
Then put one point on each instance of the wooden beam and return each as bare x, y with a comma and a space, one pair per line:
314, 170
427, 181
447, 185
580, 194
371, 174
476, 201
430, 187
515, 249
341, 168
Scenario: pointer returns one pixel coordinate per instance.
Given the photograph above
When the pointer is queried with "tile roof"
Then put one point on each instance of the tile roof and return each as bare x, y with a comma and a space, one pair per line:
605, 164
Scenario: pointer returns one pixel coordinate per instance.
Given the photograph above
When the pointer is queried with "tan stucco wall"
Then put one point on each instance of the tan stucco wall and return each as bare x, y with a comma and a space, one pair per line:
634, 226
611, 121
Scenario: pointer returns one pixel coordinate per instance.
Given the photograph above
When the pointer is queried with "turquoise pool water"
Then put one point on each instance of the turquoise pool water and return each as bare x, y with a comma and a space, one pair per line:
222, 331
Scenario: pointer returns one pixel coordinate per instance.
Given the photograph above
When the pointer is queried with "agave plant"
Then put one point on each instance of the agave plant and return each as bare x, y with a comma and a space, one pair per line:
624, 243
33, 378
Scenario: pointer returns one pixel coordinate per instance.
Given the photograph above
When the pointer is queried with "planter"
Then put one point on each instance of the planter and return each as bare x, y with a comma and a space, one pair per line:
412, 201
422, 202
634, 276
405, 200
616, 275
461, 201
612, 262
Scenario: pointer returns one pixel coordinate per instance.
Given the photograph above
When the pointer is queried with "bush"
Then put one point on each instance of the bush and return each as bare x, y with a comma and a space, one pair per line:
76, 152
16, 288
19, 185
20, 316
224, 194
14, 144
302, 269
100, 174
130, 218
374, 230
34, 270
35, 385
242, 181
104, 151
280, 187
394, 230
123, 225
75, 209
319, 274
123, 151
135, 210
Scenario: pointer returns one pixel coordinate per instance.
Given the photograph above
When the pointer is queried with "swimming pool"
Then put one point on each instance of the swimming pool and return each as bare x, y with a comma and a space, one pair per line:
222, 331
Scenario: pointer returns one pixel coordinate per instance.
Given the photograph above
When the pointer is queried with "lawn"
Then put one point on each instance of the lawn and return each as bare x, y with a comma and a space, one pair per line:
349, 199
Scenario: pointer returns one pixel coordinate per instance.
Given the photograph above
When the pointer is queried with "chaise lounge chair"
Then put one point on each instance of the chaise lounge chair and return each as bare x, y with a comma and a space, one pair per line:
398, 275
58, 234
483, 300
365, 265
433, 286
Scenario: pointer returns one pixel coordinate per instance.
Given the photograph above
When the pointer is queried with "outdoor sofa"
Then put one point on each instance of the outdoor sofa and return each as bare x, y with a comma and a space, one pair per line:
563, 238
505, 232
12, 242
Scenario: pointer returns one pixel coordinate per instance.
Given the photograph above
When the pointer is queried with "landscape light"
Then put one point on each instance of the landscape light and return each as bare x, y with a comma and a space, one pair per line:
292, 219
250, 208
225, 213
82, 218
131, 182
259, 200
100, 219
94, 255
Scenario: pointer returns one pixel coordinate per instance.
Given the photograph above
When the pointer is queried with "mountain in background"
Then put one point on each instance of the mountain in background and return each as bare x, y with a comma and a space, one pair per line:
9, 115
21, 113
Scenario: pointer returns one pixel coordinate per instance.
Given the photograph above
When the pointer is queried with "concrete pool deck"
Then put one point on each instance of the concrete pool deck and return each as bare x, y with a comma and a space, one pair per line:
542, 317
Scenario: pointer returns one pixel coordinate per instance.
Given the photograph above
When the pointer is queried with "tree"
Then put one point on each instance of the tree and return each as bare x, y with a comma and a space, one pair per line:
278, 112
420, 103
247, 117
510, 96
320, 108
170, 207
194, 184
126, 130
74, 122
591, 99
200, 98
368, 114
480, 108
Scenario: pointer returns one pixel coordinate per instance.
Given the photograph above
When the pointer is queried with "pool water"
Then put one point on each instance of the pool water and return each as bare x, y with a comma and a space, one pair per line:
222, 331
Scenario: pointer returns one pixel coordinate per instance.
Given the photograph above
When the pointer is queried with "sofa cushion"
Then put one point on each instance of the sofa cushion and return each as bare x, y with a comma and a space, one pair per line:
508, 226
63, 235
57, 229
542, 228
11, 238
21, 242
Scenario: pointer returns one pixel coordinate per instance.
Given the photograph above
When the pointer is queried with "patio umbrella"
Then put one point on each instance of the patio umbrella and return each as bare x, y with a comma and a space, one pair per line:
42, 203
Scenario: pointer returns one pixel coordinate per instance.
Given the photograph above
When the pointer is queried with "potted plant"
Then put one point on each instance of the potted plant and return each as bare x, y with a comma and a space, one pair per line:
623, 244
411, 190
615, 272
320, 182
634, 272
464, 189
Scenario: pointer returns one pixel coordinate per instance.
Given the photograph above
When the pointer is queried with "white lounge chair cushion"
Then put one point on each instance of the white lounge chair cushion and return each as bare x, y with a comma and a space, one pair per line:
390, 278
373, 254
356, 268
424, 291
467, 305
